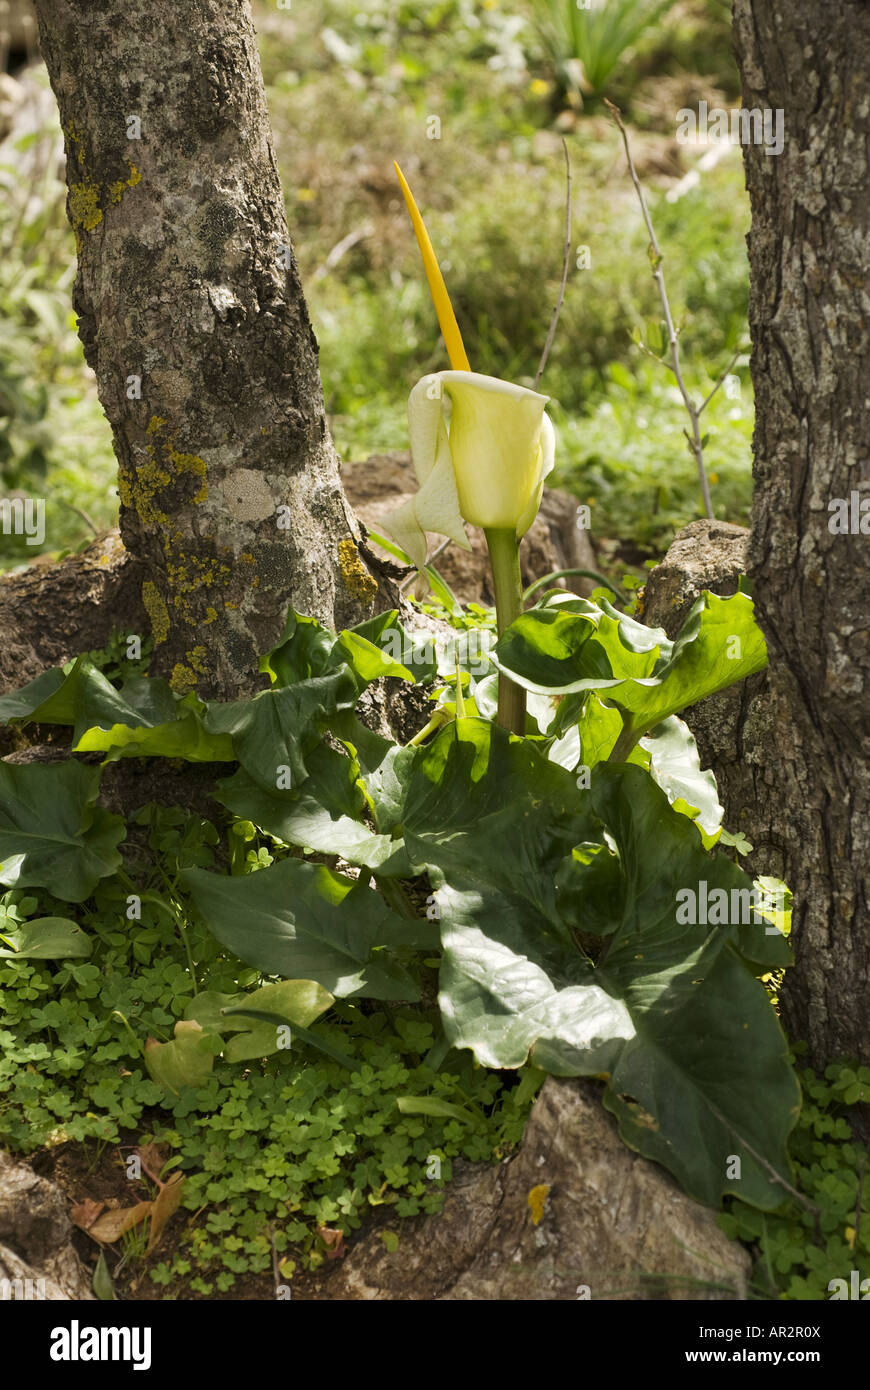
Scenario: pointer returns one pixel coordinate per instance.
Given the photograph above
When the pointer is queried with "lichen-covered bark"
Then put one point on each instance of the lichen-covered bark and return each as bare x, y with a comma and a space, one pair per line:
809, 252
192, 316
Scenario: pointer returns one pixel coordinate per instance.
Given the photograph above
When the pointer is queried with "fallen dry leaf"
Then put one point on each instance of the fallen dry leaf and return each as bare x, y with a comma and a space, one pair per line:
85, 1213
165, 1203
333, 1239
112, 1224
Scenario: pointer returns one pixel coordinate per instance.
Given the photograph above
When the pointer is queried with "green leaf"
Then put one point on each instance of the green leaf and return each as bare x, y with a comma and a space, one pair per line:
396, 651
718, 644
19, 704
48, 938
304, 921
52, 833
272, 1022
102, 1281
670, 752
431, 1105
186, 1061
573, 645
288, 1002
566, 649
696, 1061
306, 650
274, 732
144, 717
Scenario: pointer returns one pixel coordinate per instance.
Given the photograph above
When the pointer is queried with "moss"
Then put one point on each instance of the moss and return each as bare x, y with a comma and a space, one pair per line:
357, 580
156, 610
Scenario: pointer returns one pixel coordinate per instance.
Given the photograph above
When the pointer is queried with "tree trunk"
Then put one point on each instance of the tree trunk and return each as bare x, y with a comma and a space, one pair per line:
809, 252
192, 316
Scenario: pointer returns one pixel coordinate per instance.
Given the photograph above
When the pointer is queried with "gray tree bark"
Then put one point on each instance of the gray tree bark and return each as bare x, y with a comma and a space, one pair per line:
193, 318
809, 252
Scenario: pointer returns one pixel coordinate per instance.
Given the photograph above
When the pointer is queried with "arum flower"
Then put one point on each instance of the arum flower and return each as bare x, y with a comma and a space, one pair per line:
481, 449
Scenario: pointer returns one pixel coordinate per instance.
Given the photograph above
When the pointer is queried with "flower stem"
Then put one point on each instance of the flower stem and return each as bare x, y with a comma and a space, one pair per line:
504, 559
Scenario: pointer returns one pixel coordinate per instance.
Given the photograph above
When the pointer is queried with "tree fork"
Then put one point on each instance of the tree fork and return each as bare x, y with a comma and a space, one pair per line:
192, 316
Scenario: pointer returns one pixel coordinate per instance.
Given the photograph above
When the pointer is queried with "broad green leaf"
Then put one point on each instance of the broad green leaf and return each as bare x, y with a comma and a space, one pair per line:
512, 995
556, 650
306, 650
636, 668
182, 735
303, 921
206, 1009
296, 1003
381, 646
186, 1061
325, 814
273, 1022
273, 732
20, 704
670, 752
671, 1012
47, 938
719, 643
144, 717
52, 833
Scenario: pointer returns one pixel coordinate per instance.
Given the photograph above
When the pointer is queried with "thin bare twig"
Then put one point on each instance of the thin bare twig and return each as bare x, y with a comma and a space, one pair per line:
694, 413
566, 263
341, 248
84, 516
703, 406
276, 1273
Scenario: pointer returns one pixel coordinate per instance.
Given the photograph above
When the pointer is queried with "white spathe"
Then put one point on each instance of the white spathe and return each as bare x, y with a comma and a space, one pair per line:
481, 449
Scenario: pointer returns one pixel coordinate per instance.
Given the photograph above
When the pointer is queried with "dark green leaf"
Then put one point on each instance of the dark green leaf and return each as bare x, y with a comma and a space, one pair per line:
52, 833
303, 921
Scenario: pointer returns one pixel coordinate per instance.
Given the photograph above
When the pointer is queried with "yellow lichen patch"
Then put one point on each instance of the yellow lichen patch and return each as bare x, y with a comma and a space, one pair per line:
182, 679
125, 492
538, 1201
157, 611
84, 206
189, 463
148, 479
357, 580
210, 616
155, 424
197, 657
